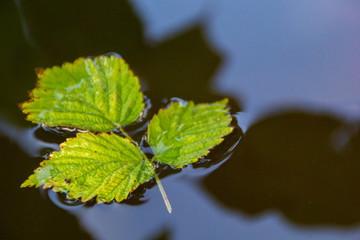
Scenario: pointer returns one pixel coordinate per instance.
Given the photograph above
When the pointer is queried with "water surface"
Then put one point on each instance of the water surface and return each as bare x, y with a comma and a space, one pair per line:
290, 70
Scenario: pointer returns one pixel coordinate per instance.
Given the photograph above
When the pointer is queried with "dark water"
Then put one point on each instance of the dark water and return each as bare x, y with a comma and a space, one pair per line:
290, 70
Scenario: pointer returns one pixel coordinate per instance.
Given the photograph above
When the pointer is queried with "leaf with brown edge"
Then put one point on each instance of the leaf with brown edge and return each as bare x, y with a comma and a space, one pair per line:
105, 166
99, 94
184, 132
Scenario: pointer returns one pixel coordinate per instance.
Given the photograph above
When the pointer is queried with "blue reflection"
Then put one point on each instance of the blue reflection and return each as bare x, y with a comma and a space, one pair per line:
277, 53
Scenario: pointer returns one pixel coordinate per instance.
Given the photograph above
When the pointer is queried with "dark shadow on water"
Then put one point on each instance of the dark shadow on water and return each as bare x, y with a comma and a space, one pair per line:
178, 67
164, 235
25, 214
296, 163
65, 30
181, 67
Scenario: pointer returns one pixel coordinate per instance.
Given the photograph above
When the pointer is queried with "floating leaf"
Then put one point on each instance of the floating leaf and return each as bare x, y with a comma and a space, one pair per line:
184, 132
98, 94
106, 166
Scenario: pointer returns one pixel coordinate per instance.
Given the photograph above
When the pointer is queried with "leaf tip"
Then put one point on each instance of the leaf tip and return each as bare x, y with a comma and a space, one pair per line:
30, 182
225, 101
26, 184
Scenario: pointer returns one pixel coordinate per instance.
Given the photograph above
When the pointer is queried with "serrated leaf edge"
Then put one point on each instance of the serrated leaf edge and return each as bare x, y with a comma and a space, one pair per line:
223, 102
58, 189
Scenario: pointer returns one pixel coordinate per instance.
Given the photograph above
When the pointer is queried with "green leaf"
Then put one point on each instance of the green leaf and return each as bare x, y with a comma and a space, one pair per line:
98, 94
184, 132
103, 165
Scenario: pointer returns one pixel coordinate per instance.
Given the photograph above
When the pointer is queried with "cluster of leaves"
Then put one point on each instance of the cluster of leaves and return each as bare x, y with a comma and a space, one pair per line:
100, 95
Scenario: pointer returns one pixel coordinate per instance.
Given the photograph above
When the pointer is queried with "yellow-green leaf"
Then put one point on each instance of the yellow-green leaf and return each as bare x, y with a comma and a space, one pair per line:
97, 94
103, 165
184, 132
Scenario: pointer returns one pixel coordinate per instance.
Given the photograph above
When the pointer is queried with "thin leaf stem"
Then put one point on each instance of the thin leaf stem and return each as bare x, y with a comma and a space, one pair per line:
161, 188
163, 193
128, 137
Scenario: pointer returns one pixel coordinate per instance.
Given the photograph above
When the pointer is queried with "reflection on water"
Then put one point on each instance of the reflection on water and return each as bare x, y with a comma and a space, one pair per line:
195, 216
293, 175
287, 162
26, 139
290, 52
26, 214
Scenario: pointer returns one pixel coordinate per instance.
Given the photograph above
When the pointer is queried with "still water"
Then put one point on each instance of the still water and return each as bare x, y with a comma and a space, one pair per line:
290, 70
